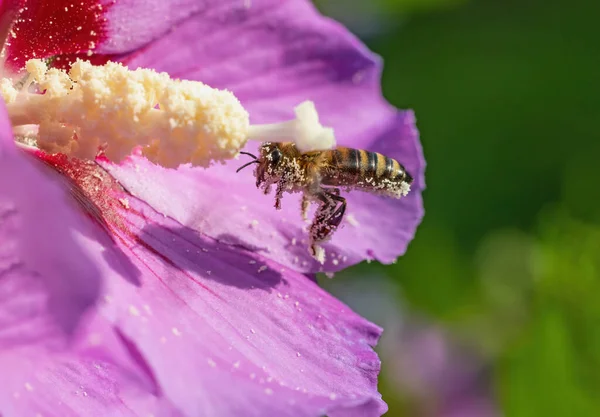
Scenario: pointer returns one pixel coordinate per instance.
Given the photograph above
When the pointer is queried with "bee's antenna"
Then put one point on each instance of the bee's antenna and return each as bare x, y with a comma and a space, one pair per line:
249, 154
245, 165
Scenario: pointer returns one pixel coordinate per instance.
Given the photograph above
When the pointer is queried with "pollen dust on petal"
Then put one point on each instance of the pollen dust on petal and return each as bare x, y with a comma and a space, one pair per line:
44, 29
90, 186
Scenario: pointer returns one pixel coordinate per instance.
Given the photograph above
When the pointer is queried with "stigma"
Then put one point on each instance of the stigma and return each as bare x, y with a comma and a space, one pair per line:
305, 131
109, 108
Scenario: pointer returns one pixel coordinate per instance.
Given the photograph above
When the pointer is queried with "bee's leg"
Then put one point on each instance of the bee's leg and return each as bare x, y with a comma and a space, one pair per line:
279, 194
338, 214
327, 218
304, 205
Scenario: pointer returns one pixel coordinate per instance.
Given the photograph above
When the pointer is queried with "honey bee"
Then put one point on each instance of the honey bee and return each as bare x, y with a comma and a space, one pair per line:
319, 175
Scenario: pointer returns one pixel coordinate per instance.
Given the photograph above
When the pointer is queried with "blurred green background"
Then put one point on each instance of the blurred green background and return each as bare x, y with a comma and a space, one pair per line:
494, 309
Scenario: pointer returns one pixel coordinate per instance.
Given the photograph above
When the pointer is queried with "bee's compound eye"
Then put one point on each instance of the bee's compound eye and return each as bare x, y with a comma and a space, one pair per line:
275, 156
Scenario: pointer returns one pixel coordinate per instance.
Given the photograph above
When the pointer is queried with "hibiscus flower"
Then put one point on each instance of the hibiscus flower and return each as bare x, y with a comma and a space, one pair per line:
128, 288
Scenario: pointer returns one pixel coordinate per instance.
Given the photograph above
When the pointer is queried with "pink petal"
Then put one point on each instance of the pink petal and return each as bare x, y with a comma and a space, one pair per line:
258, 325
46, 280
131, 24
52, 259
95, 376
207, 317
274, 55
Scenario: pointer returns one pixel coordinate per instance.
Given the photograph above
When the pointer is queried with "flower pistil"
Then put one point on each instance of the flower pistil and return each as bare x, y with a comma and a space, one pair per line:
115, 109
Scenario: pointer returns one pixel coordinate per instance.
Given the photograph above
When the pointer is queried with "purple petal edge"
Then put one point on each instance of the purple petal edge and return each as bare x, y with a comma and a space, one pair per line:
273, 55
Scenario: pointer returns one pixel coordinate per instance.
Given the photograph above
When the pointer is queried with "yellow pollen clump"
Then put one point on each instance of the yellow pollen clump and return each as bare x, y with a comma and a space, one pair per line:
8, 91
114, 109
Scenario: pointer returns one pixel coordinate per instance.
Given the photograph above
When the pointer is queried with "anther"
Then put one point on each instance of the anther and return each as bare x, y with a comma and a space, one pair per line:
175, 122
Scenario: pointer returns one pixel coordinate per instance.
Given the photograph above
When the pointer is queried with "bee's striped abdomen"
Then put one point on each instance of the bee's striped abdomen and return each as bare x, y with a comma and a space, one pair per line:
356, 167
377, 166
344, 163
393, 170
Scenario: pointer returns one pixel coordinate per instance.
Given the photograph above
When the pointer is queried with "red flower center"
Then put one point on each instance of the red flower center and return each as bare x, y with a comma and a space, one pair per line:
43, 29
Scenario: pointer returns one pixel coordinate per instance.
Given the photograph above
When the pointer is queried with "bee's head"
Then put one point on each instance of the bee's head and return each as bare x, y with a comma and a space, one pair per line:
269, 163
275, 162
